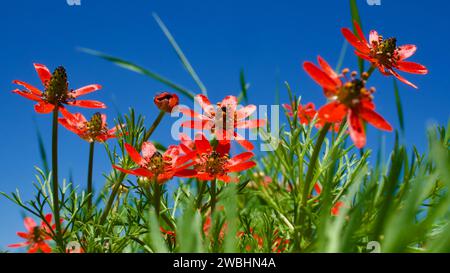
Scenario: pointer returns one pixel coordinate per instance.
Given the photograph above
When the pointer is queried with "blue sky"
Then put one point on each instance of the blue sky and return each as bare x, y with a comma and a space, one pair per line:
268, 39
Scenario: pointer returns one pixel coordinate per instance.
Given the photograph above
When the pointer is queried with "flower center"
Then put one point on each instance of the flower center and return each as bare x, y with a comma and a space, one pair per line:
57, 88
385, 50
352, 92
213, 164
156, 163
37, 234
95, 126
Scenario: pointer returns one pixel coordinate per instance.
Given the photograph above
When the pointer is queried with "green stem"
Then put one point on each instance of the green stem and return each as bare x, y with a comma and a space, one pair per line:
154, 125
370, 71
90, 170
119, 181
213, 197
157, 197
201, 189
55, 186
311, 167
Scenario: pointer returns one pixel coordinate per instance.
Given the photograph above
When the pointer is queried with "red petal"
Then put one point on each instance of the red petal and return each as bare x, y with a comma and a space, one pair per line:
191, 113
320, 77
223, 147
23, 235
34, 248
359, 32
328, 70
45, 248
29, 223
245, 111
364, 56
148, 150
43, 73
411, 67
29, 87
254, 123
28, 95
44, 107
356, 128
205, 176
19, 245
375, 119
86, 90
400, 78
241, 158
198, 124
242, 166
135, 156
87, 104
333, 112
406, 51
354, 41
186, 173
243, 142
202, 144
204, 102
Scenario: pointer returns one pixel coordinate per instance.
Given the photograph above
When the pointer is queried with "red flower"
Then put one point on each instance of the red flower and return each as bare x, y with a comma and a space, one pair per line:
95, 129
163, 166
305, 113
166, 101
336, 207
216, 163
56, 92
384, 53
350, 99
36, 236
223, 120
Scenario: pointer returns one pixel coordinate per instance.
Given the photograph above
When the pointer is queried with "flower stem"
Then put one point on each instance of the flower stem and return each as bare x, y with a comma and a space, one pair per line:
370, 71
154, 125
117, 184
213, 197
157, 197
90, 169
310, 174
55, 186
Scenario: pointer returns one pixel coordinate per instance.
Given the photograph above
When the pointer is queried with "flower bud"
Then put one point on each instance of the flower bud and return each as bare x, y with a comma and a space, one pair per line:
166, 101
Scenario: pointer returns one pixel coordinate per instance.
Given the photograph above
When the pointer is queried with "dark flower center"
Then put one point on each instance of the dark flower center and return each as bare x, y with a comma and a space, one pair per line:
156, 163
385, 51
57, 88
95, 126
214, 164
352, 92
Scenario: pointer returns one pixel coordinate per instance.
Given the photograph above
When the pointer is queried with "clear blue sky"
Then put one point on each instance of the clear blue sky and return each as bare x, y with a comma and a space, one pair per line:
269, 39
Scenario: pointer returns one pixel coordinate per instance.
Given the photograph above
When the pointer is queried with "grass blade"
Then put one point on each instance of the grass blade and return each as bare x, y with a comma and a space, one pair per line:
135, 68
355, 17
398, 103
244, 87
180, 54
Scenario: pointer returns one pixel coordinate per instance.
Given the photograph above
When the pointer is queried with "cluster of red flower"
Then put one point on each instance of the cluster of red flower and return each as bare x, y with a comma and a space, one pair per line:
348, 96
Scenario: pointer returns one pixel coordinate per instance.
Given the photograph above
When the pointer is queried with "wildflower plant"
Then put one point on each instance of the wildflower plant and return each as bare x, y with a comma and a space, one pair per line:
318, 189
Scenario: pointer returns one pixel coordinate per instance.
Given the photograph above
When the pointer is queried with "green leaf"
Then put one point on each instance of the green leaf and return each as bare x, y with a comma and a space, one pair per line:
180, 54
244, 87
135, 68
355, 17
398, 103
42, 152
